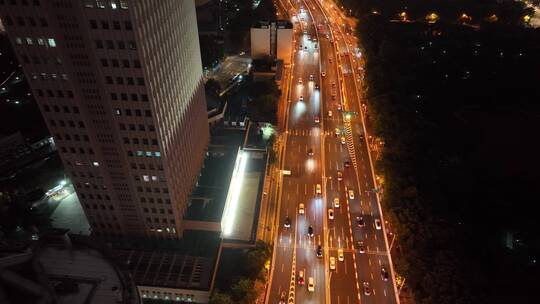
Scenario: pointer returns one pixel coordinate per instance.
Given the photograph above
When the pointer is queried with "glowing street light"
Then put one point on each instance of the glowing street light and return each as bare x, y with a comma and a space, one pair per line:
432, 18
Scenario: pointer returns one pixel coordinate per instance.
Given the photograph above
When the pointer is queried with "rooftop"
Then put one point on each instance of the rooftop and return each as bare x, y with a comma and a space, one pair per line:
190, 265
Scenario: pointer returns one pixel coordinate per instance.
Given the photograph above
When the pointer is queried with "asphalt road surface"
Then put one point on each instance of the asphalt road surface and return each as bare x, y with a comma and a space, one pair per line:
327, 123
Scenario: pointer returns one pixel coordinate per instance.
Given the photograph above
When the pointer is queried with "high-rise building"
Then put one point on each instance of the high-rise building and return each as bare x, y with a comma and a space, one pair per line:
120, 85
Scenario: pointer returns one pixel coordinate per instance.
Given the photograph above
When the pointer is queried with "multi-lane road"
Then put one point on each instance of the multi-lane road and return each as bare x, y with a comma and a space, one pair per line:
324, 138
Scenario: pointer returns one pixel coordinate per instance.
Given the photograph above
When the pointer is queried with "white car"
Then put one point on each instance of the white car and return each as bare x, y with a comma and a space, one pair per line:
336, 202
317, 120
329, 113
378, 225
351, 194
341, 257
311, 77
311, 284
332, 263
318, 189
301, 209
343, 140
300, 80
330, 214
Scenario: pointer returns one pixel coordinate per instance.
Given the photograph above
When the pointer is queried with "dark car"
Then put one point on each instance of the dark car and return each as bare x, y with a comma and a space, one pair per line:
384, 273
347, 163
360, 221
287, 223
310, 231
319, 251
316, 86
310, 152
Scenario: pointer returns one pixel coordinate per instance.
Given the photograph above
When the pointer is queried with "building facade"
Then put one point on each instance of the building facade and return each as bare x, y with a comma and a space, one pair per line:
272, 39
119, 83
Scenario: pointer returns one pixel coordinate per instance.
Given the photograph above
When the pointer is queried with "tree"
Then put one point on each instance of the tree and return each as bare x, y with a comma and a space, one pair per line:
220, 298
212, 87
243, 291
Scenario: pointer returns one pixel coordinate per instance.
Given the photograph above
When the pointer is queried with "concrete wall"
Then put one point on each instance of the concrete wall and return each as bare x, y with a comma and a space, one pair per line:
260, 42
284, 44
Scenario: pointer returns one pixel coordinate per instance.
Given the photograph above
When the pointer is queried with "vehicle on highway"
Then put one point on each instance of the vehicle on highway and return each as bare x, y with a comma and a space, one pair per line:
361, 247
310, 77
339, 108
330, 60
310, 152
301, 278
300, 80
329, 113
301, 98
336, 202
378, 225
340, 255
282, 298
301, 209
338, 131
318, 189
339, 176
311, 284
316, 86
319, 251
330, 214
332, 263
360, 221
301, 47
305, 48
347, 163
384, 273
317, 120
343, 141
366, 288
323, 74
287, 223
310, 231
351, 194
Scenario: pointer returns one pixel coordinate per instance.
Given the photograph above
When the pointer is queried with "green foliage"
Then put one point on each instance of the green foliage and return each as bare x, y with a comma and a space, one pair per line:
438, 100
243, 291
212, 87
265, 96
211, 51
220, 298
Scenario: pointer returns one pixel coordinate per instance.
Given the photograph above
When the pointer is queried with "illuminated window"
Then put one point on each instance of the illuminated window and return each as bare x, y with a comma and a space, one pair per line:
155, 178
52, 42
40, 41
157, 154
123, 4
18, 40
146, 178
29, 41
113, 4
